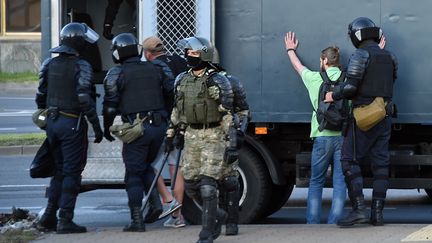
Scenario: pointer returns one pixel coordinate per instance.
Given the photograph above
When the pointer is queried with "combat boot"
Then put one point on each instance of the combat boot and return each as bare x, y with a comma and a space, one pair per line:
221, 217
377, 207
358, 215
137, 224
66, 225
48, 221
155, 208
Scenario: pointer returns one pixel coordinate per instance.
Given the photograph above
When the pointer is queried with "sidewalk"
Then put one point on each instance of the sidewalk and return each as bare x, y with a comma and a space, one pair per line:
256, 234
18, 88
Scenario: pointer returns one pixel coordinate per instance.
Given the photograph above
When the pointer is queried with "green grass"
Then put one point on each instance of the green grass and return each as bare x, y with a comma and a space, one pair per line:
10, 139
18, 77
18, 236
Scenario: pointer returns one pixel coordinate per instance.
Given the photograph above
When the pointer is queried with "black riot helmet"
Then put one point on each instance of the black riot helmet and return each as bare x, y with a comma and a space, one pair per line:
362, 29
200, 44
123, 46
77, 35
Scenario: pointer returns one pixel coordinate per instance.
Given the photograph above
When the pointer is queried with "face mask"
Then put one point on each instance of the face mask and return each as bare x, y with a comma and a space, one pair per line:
195, 63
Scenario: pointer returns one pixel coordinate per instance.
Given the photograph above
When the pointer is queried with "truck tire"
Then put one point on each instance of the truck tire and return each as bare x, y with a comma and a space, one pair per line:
255, 191
279, 197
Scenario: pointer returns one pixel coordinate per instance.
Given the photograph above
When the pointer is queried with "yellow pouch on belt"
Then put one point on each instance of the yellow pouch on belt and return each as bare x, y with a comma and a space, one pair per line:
369, 115
127, 132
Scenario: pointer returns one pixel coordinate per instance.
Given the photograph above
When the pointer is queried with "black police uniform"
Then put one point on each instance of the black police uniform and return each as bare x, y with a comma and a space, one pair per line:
229, 184
371, 72
137, 87
65, 88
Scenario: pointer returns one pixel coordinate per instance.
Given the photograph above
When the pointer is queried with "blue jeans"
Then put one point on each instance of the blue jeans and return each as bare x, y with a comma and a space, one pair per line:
326, 150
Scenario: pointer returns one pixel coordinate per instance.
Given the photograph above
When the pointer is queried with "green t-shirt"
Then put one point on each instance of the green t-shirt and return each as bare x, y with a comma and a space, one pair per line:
313, 81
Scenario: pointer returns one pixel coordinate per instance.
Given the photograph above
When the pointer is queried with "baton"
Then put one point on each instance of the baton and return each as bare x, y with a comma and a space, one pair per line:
154, 181
353, 124
174, 179
79, 122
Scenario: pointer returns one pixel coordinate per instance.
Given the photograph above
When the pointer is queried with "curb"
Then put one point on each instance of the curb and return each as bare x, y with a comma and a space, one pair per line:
19, 150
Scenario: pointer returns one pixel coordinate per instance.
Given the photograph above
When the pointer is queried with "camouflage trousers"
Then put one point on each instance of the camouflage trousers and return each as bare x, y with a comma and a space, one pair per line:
203, 154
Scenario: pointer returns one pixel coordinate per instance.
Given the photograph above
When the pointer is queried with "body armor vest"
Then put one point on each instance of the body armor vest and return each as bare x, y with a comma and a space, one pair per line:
142, 91
62, 84
194, 102
378, 79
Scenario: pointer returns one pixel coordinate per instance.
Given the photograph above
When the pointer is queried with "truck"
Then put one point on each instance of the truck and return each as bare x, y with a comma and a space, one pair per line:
249, 37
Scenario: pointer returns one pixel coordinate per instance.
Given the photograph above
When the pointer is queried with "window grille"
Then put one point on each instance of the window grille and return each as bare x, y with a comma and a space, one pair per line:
175, 20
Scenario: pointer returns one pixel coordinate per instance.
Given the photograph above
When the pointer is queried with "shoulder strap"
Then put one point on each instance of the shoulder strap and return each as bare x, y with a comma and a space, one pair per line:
327, 80
324, 77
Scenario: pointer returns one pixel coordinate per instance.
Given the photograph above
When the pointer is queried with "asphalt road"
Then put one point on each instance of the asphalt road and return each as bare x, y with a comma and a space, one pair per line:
15, 114
16, 109
104, 208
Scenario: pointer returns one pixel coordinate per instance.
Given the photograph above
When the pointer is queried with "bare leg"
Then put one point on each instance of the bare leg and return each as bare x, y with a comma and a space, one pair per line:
179, 188
163, 191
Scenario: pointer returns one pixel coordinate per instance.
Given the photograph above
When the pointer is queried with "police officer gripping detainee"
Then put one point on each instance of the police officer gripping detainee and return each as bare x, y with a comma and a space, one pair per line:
202, 115
65, 88
137, 90
370, 76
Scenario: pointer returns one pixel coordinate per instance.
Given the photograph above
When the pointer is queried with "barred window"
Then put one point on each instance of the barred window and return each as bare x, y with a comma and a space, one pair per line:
176, 19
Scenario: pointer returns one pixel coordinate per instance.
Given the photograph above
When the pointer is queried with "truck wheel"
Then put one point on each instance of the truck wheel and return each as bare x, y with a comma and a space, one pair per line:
279, 197
255, 191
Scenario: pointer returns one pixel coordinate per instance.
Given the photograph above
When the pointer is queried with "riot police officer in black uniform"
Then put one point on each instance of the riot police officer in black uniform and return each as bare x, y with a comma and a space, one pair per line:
65, 88
229, 184
371, 73
137, 88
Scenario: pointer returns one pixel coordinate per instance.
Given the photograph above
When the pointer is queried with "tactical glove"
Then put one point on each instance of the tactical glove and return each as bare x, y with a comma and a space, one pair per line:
230, 155
107, 32
98, 133
179, 140
169, 144
107, 135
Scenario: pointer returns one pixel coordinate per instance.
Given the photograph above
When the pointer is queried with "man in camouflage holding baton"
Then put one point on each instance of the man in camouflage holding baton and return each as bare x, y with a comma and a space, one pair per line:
202, 115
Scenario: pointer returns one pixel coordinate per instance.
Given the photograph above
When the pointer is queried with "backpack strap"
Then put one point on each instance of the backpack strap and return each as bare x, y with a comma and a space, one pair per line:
326, 79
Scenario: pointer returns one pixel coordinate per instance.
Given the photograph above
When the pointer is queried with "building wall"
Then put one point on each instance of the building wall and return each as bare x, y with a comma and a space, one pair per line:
20, 55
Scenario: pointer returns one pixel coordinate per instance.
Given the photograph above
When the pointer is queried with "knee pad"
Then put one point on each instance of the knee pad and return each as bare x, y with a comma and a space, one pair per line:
230, 183
346, 166
208, 192
208, 188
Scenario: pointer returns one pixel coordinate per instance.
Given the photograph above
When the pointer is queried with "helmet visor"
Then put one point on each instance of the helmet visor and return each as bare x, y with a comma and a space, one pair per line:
90, 35
191, 43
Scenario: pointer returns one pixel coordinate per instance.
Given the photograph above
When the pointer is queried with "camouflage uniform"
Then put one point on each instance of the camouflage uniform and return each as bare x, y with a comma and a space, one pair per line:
204, 145
204, 151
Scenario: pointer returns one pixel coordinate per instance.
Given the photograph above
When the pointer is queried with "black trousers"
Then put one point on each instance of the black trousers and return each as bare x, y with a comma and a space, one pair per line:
138, 157
69, 148
371, 146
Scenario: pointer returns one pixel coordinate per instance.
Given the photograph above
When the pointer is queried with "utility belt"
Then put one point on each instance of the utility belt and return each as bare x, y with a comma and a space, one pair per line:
54, 113
153, 117
204, 126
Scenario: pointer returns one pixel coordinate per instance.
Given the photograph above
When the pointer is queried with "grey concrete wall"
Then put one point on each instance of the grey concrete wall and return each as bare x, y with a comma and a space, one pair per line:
20, 55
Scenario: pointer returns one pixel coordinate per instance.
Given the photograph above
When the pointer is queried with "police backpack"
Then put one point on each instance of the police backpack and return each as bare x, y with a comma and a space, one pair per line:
331, 115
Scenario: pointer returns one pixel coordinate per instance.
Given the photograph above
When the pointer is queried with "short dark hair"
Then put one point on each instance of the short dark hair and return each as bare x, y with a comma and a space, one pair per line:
332, 55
